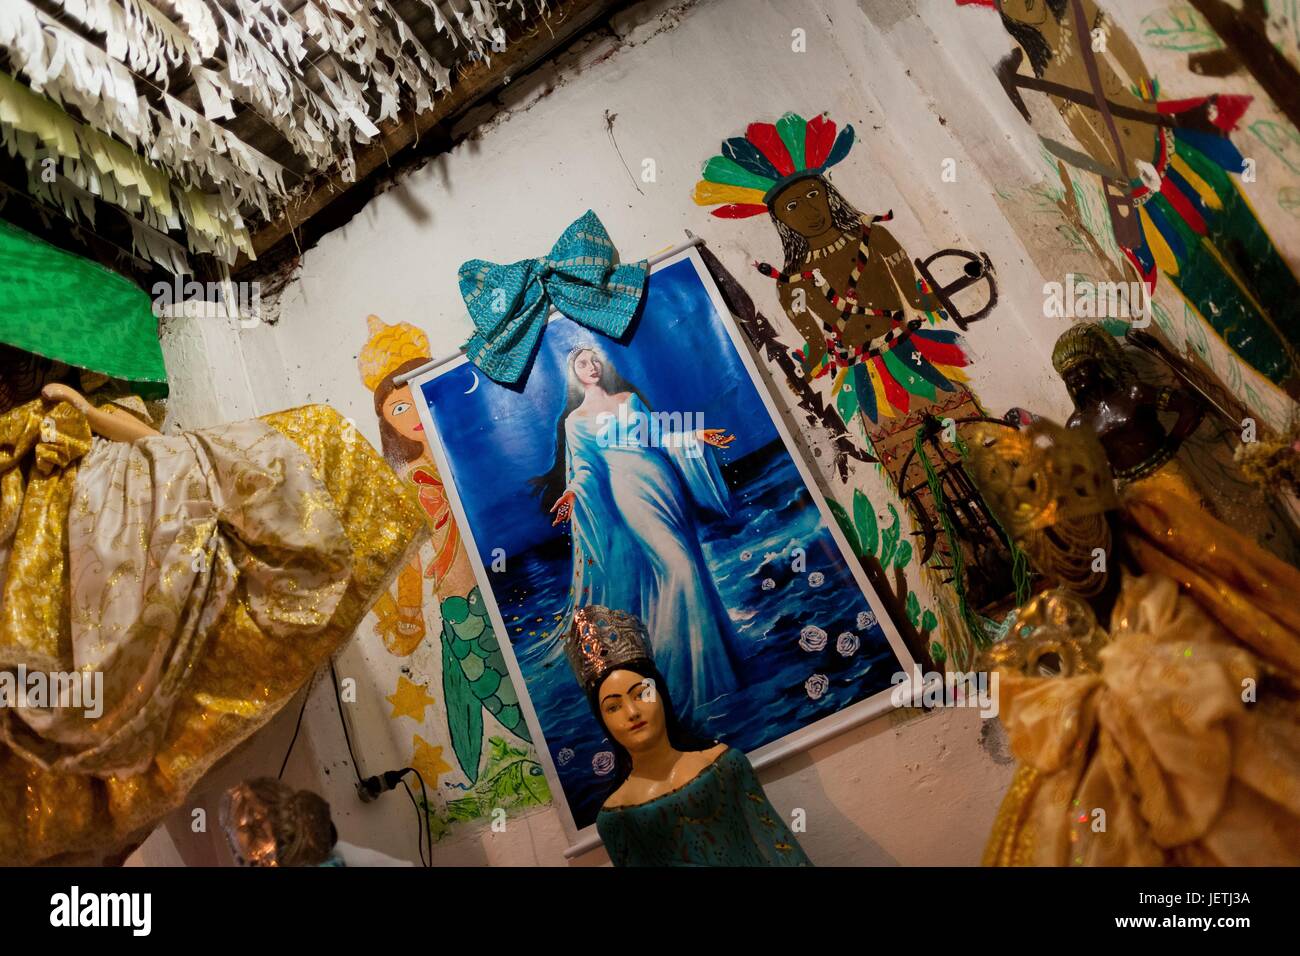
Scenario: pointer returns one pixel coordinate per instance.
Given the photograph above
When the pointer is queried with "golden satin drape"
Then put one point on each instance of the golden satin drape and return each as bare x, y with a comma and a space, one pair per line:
1188, 738
206, 576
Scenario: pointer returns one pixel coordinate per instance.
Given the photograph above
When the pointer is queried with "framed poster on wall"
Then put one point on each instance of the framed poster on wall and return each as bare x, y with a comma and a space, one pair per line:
655, 475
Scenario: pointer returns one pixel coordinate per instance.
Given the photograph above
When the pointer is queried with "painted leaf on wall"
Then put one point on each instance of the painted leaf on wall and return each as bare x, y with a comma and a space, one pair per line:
846, 525
864, 516
889, 538
1181, 29
928, 620
903, 555
913, 608
1288, 199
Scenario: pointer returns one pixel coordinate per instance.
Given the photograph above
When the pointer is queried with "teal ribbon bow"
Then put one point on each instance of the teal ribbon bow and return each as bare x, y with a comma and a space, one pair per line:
509, 304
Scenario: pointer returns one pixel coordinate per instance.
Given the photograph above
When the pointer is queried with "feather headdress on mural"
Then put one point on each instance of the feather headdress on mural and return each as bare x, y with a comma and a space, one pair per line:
906, 360
755, 167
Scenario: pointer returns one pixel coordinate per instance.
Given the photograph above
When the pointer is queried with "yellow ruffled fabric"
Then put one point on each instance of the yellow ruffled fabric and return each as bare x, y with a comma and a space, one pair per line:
1184, 749
300, 530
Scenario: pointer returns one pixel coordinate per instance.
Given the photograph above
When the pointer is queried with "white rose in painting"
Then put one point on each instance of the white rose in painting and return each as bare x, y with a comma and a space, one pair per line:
847, 644
865, 620
768, 584
603, 763
564, 756
812, 638
815, 579
815, 686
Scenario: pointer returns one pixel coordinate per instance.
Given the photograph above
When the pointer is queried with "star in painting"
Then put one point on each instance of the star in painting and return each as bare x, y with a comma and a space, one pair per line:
428, 761
409, 700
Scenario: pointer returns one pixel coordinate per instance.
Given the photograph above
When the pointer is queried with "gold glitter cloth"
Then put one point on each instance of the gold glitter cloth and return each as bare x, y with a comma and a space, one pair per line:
1181, 750
1050, 487
206, 576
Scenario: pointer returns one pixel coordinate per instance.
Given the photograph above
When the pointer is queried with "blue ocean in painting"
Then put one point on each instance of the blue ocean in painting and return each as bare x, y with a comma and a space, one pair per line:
801, 639
750, 555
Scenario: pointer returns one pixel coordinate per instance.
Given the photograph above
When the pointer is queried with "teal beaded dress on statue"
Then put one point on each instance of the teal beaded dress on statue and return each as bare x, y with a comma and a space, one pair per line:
720, 818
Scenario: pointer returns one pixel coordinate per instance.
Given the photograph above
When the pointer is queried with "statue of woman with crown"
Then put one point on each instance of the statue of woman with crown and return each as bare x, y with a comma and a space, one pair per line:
677, 799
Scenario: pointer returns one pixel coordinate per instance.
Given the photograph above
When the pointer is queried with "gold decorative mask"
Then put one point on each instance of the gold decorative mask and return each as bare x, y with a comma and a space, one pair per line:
1055, 634
1050, 487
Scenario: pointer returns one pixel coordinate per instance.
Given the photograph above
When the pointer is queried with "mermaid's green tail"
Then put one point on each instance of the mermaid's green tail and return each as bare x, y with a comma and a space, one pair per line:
474, 677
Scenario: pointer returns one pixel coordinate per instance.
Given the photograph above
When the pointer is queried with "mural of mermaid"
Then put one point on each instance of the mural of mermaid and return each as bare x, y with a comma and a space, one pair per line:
474, 675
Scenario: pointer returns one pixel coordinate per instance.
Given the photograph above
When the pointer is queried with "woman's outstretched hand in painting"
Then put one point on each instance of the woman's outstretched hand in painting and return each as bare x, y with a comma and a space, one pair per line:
717, 437
563, 507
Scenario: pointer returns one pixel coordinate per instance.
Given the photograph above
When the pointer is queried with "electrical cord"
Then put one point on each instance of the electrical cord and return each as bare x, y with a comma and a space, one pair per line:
338, 699
428, 830
420, 823
370, 788
296, 727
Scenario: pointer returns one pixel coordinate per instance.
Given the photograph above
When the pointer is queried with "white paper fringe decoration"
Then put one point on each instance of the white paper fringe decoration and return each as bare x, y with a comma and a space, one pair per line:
191, 173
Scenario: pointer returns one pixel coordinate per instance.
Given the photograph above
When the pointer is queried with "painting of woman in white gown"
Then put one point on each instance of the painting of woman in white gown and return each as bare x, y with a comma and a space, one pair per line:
648, 474
631, 482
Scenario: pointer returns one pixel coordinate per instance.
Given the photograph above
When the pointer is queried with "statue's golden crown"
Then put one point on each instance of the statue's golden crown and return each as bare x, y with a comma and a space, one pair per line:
601, 639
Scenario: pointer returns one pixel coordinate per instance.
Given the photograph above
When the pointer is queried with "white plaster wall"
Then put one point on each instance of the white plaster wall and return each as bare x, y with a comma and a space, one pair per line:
680, 78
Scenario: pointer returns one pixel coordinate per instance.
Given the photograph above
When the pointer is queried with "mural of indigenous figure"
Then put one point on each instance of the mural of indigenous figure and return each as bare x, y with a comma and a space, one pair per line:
474, 676
1164, 164
636, 541
846, 280
871, 325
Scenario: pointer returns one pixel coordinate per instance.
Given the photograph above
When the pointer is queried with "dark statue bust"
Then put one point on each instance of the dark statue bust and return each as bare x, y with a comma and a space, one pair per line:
1122, 410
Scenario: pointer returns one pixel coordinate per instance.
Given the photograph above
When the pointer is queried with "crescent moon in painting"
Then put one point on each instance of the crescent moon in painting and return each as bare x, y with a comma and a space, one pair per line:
473, 388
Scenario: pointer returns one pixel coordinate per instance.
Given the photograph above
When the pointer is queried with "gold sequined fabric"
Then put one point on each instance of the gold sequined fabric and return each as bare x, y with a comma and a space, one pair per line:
1181, 749
40, 448
1172, 478
205, 575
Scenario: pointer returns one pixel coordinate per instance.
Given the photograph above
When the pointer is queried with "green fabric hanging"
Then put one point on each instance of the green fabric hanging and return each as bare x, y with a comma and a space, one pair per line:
75, 311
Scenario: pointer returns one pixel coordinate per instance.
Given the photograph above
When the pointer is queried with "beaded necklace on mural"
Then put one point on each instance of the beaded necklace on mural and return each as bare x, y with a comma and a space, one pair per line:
846, 305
